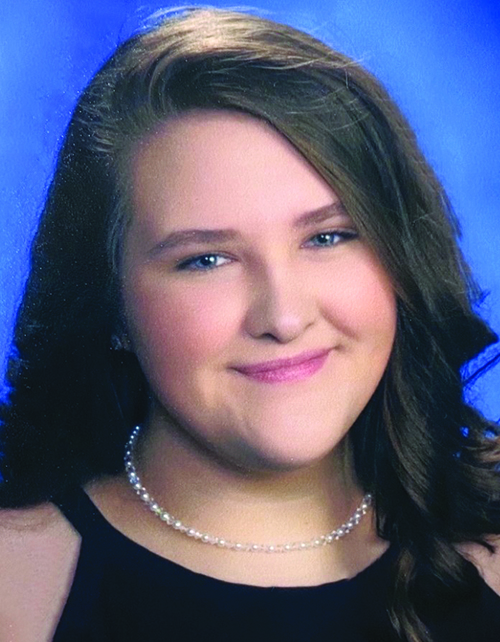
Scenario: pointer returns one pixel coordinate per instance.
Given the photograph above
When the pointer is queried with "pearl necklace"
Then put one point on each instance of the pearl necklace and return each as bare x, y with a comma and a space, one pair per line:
205, 538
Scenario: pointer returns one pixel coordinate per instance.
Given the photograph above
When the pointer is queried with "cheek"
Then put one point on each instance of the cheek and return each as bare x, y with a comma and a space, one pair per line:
176, 330
364, 302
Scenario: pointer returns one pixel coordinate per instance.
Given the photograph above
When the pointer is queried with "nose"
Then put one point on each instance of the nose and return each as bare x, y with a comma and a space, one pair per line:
281, 306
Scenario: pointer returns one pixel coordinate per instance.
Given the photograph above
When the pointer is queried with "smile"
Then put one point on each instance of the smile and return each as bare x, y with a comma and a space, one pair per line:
285, 370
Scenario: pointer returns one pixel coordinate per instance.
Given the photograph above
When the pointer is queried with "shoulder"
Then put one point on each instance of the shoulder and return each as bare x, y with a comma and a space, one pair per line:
38, 554
488, 564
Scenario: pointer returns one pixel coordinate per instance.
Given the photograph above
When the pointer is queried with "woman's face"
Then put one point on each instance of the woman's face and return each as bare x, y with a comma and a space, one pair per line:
239, 254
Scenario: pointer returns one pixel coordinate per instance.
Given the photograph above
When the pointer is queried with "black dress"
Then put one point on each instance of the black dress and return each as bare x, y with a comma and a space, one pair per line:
123, 592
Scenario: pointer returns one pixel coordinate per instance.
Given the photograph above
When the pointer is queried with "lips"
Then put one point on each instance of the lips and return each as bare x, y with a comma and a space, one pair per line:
279, 370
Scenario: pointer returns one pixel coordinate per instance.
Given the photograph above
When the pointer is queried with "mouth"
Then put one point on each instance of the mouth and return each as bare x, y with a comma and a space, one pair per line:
284, 370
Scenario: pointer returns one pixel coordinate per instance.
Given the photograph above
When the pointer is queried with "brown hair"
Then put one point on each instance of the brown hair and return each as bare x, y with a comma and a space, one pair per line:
74, 401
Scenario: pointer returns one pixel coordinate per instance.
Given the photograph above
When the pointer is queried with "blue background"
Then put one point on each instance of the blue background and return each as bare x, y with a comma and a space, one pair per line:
439, 59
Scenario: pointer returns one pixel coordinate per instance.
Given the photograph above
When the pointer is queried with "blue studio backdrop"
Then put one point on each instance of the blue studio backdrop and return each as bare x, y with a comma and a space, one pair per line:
439, 60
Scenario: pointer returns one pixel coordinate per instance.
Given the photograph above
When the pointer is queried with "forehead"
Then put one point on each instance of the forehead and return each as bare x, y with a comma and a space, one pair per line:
222, 164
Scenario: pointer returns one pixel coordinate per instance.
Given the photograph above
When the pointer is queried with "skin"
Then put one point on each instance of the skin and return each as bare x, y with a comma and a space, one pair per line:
249, 452
267, 298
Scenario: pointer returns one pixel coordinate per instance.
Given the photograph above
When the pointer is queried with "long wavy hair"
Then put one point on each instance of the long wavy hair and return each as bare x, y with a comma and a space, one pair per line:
74, 400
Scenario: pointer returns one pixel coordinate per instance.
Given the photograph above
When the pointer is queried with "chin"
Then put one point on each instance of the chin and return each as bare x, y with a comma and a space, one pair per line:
244, 456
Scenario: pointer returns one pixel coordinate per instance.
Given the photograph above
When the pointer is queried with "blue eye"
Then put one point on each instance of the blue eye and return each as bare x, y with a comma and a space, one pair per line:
201, 263
333, 237
208, 262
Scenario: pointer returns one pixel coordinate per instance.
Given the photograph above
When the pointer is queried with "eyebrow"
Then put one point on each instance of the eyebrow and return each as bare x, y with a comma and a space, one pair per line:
206, 237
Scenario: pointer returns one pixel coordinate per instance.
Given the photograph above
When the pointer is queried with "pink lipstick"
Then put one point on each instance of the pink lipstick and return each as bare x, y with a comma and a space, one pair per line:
283, 370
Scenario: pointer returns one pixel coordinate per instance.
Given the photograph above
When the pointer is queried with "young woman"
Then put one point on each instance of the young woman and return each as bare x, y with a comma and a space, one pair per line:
237, 406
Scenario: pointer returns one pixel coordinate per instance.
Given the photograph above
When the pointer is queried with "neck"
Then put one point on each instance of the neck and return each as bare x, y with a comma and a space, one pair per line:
259, 505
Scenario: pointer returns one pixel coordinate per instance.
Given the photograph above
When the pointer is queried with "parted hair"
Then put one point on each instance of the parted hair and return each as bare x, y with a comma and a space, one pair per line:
418, 446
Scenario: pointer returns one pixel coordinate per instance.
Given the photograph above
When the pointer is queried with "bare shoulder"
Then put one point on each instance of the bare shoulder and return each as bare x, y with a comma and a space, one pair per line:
488, 564
38, 554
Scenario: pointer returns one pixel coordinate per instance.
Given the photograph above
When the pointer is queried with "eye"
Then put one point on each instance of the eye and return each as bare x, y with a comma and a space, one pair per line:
208, 262
202, 263
333, 237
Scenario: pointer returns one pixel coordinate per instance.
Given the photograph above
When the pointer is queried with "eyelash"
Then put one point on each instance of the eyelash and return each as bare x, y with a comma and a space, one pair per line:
187, 264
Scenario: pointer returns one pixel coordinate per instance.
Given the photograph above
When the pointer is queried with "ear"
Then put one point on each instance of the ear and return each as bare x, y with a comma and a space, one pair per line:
488, 564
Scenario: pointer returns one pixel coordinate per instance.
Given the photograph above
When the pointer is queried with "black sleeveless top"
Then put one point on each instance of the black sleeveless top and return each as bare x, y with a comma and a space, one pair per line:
122, 592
